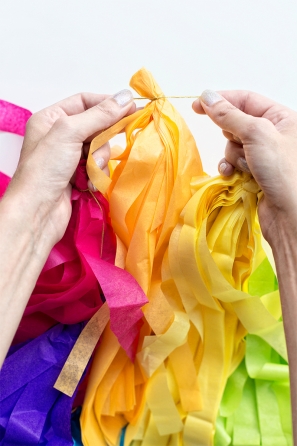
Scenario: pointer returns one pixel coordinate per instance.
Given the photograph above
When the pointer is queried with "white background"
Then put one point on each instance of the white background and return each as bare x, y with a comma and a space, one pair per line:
52, 49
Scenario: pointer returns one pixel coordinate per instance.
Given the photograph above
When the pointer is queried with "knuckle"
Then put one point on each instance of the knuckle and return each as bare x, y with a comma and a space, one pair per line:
63, 123
105, 110
258, 125
224, 111
32, 121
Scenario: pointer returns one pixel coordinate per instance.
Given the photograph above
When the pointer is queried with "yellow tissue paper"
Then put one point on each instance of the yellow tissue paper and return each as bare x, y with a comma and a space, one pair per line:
191, 242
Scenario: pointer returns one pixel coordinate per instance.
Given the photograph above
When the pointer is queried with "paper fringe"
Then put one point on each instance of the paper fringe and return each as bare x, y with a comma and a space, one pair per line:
199, 308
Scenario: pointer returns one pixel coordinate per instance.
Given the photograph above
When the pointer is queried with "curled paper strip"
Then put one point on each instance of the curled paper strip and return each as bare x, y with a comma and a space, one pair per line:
148, 189
13, 118
256, 399
78, 359
80, 274
199, 307
67, 290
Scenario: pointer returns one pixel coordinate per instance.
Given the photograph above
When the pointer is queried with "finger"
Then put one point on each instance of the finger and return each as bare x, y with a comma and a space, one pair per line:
225, 168
105, 151
253, 104
41, 122
232, 152
247, 128
130, 112
249, 102
78, 128
232, 137
234, 155
102, 156
79, 103
197, 107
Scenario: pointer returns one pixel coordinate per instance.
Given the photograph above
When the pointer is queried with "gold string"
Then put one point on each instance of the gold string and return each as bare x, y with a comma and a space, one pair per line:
102, 233
167, 97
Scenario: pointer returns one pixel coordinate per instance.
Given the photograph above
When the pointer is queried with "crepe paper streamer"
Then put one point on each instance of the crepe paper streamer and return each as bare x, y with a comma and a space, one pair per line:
145, 210
78, 359
268, 252
125, 300
67, 290
100, 180
4, 182
79, 267
147, 191
13, 118
258, 417
255, 407
202, 280
213, 250
32, 411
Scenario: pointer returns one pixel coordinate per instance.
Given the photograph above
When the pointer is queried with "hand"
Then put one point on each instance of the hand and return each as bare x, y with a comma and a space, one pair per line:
262, 138
52, 149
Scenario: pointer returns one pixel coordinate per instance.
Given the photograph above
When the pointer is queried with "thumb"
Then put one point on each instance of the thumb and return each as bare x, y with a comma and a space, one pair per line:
77, 128
230, 119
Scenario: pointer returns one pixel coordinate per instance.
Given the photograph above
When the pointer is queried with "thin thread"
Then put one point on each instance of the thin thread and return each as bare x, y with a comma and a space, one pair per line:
102, 233
167, 97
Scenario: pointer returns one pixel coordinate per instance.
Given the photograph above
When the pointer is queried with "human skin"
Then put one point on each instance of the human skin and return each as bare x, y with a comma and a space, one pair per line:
36, 207
262, 138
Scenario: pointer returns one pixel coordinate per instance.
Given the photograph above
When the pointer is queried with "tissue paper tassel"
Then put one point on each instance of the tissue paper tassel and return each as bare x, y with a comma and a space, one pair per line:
199, 308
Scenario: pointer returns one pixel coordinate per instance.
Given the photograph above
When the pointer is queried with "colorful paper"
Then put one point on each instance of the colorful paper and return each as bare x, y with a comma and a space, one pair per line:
211, 339
148, 189
32, 411
256, 399
80, 274
80, 355
199, 309
67, 290
13, 118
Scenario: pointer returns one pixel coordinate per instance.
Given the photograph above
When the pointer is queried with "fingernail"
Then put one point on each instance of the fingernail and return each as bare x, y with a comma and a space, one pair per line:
242, 164
99, 162
210, 97
123, 97
222, 167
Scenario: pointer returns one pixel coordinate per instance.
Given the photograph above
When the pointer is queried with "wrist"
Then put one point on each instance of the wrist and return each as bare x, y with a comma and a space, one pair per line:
279, 225
25, 218
23, 252
44, 206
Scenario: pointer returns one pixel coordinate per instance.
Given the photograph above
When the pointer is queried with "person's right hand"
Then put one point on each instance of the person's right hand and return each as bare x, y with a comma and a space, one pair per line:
262, 138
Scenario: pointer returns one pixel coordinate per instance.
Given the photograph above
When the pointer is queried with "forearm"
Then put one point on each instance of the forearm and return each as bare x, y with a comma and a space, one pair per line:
24, 249
285, 254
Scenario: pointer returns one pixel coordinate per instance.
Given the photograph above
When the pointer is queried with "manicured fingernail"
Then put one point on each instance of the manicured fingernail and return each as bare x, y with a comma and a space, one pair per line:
242, 164
123, 97
210, 97
99, 162
222, 167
